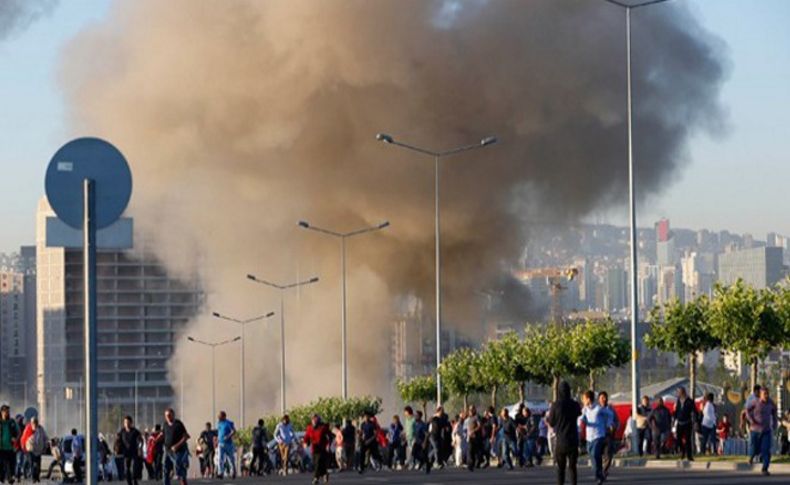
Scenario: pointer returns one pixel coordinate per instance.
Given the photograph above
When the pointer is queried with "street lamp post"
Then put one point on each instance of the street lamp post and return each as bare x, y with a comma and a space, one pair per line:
213, 346
282, 289
136, 416
181, 386
490, 140
635, 343
343, 314
243, 324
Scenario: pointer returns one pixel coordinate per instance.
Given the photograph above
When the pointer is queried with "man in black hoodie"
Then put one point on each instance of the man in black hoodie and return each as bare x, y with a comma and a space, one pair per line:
685, 414
563, 417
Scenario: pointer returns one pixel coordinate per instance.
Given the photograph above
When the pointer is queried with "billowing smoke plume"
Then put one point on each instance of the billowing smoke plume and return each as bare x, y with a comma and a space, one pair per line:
240, 118
16, 15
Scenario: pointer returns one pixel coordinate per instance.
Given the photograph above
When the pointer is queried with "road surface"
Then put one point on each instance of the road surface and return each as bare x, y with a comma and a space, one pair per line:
534, 476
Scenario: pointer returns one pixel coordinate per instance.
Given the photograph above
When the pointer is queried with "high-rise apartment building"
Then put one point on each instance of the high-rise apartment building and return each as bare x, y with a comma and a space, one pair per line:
586, 283
670, 284
648, 286
662, 230
13, 346
760, 267
617, 290
141, 312
779, 241
27, 266
699, 274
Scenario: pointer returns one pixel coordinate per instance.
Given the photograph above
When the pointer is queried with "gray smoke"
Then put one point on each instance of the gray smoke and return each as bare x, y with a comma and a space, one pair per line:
241, 117
16, 15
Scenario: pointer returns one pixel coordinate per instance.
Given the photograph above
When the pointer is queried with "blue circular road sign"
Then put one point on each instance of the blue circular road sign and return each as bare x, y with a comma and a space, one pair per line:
95, 159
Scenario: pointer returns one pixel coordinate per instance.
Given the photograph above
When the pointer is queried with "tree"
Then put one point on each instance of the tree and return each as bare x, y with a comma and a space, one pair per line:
747, 321
459, 372
518, 371
597, 346
783, 309
684, 329
331, 410
547, 355
783, 306
502, 363
421, 389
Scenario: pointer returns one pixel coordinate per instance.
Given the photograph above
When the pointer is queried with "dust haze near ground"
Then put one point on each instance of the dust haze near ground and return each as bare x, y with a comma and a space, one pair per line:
240, 118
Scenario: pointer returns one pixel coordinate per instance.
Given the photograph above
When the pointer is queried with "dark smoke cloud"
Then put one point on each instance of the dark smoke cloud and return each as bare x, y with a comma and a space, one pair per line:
16, 15
241, 117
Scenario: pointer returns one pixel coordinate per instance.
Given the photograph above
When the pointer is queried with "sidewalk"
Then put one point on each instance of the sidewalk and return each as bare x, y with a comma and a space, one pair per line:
730, 466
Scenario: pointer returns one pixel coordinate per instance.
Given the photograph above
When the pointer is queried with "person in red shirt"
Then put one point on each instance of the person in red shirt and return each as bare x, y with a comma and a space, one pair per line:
318, 436
34, 443
723, 430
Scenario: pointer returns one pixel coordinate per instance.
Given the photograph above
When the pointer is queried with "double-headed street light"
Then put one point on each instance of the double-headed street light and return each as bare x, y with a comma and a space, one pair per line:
388, 139
213, 346
282, 289
635, 344
243, 324
343, 319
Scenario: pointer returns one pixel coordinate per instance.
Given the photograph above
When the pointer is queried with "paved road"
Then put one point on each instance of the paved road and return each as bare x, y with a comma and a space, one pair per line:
535, 476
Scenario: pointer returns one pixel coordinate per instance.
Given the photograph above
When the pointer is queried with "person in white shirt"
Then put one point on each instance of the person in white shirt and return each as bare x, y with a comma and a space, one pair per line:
284, 435
708, 425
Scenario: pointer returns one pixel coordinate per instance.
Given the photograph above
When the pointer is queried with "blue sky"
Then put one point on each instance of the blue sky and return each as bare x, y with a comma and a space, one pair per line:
739, 182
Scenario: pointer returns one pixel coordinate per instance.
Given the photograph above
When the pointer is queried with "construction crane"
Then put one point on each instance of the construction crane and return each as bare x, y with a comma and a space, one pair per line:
554, 279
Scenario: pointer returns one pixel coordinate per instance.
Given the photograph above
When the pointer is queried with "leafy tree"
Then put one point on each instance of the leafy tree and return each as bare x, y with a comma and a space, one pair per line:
421, 389
243, 437
518, 370
747, 321
547, 355
459, 371
783, 306
502, 362
331, 410
597, 346
684, 329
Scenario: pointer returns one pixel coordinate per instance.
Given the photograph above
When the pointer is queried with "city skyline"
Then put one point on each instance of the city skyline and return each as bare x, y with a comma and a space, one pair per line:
553, 199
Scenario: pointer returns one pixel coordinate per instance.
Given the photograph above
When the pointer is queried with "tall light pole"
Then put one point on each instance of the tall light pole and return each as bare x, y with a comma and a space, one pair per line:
490, 140
181, 386
282, 289
213, 346
635, 343
343, 317
136, 415
243, 324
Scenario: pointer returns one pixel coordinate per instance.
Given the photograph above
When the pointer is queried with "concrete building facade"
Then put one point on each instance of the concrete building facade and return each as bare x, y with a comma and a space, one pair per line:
141, 313
13, 338
760, 267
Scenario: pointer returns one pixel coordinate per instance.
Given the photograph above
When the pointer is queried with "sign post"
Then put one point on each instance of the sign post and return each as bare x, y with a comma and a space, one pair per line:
89, 275
89, 185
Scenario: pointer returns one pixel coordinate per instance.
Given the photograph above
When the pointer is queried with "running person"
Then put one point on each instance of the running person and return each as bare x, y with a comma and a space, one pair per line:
129, 441
318, 437
284, 435
175, 438
226, 431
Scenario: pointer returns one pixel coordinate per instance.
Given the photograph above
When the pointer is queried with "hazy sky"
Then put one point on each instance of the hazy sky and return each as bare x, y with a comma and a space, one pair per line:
739, 182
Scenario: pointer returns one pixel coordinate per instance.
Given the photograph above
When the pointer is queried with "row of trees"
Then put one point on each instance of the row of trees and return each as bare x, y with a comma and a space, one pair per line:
737, 319
544, 355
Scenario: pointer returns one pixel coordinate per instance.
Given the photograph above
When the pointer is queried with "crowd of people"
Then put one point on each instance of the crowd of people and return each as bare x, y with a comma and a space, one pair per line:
164, 451
411, 441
